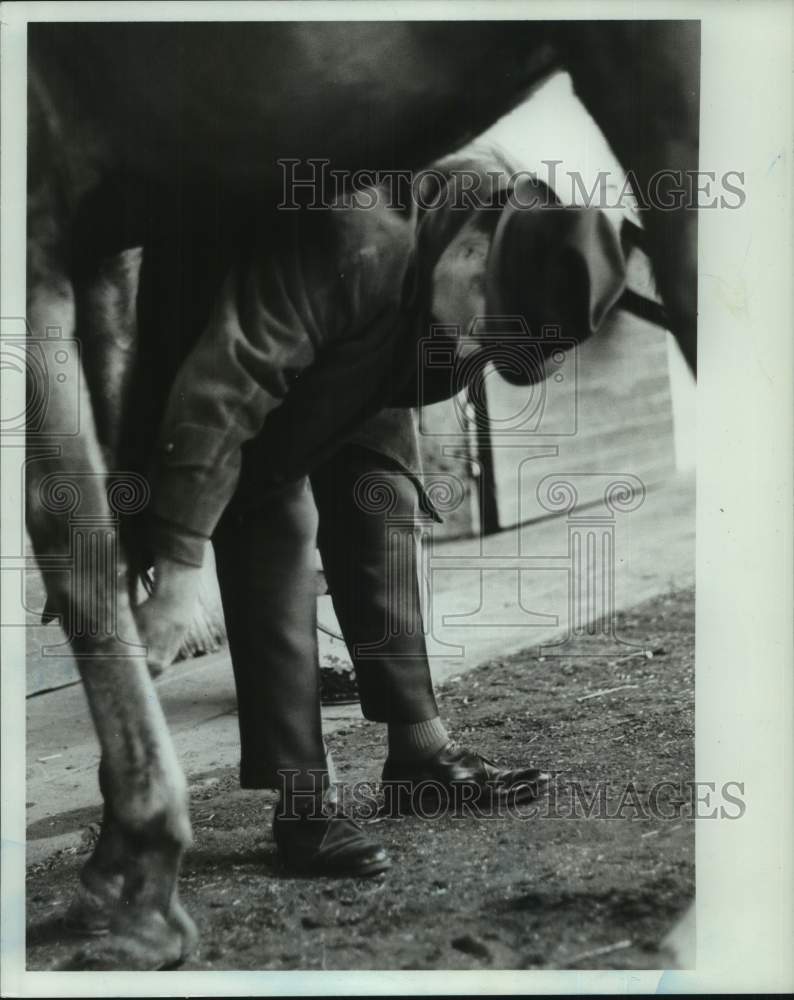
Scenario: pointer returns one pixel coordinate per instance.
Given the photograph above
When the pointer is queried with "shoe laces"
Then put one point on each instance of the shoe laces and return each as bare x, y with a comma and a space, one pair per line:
458, 752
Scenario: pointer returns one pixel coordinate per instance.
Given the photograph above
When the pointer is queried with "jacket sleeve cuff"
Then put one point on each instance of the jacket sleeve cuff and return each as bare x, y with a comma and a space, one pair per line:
171, 541
191, 483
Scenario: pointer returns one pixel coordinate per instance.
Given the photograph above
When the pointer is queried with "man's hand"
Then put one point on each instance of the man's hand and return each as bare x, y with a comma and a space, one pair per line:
165, 617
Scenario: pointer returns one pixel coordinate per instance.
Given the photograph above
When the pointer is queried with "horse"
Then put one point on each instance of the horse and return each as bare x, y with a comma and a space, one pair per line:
211, 106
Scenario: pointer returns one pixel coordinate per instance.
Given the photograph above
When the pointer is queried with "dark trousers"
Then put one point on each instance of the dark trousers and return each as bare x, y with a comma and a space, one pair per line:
265, 555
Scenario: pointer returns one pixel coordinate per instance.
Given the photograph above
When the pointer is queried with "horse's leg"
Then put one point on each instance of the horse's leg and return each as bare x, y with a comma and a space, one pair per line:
143, 785
105, 294
640, 81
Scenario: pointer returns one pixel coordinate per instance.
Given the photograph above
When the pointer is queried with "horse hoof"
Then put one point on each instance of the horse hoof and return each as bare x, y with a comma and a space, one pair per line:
95, 902
91, 912
139, 942
179, 919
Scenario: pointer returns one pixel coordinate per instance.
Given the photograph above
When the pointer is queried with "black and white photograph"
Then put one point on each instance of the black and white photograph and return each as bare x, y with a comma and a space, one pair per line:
389, 391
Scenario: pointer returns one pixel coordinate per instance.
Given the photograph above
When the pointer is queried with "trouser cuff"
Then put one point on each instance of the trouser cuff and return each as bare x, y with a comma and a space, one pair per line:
286, 780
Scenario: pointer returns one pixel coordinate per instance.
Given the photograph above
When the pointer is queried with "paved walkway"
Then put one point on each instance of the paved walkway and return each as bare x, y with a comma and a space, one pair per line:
485, 603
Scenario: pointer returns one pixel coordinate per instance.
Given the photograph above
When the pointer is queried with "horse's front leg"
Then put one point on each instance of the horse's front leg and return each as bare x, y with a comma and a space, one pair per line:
74, 533
640, 81
97, 908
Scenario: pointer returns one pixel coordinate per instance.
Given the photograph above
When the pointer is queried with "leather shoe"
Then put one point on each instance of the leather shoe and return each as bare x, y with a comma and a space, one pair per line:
454, 778
326, 841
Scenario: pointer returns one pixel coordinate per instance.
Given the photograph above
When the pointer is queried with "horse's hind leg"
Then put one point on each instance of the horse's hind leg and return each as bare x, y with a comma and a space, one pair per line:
71, 523
640, 81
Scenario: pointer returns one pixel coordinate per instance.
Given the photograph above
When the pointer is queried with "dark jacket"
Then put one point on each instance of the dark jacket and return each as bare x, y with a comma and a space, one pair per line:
310, 336
317, 328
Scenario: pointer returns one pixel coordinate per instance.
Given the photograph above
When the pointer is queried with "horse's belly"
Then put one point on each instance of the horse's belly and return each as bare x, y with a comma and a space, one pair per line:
227, 100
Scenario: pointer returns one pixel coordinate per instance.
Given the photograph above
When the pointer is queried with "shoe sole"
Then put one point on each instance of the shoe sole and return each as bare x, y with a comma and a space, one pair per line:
318, 871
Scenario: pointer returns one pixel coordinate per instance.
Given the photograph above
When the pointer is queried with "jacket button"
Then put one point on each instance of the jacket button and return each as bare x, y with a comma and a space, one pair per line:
169, 447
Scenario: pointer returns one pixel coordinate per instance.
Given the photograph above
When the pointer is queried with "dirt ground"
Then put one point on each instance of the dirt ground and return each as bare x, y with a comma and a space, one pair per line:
553, 890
